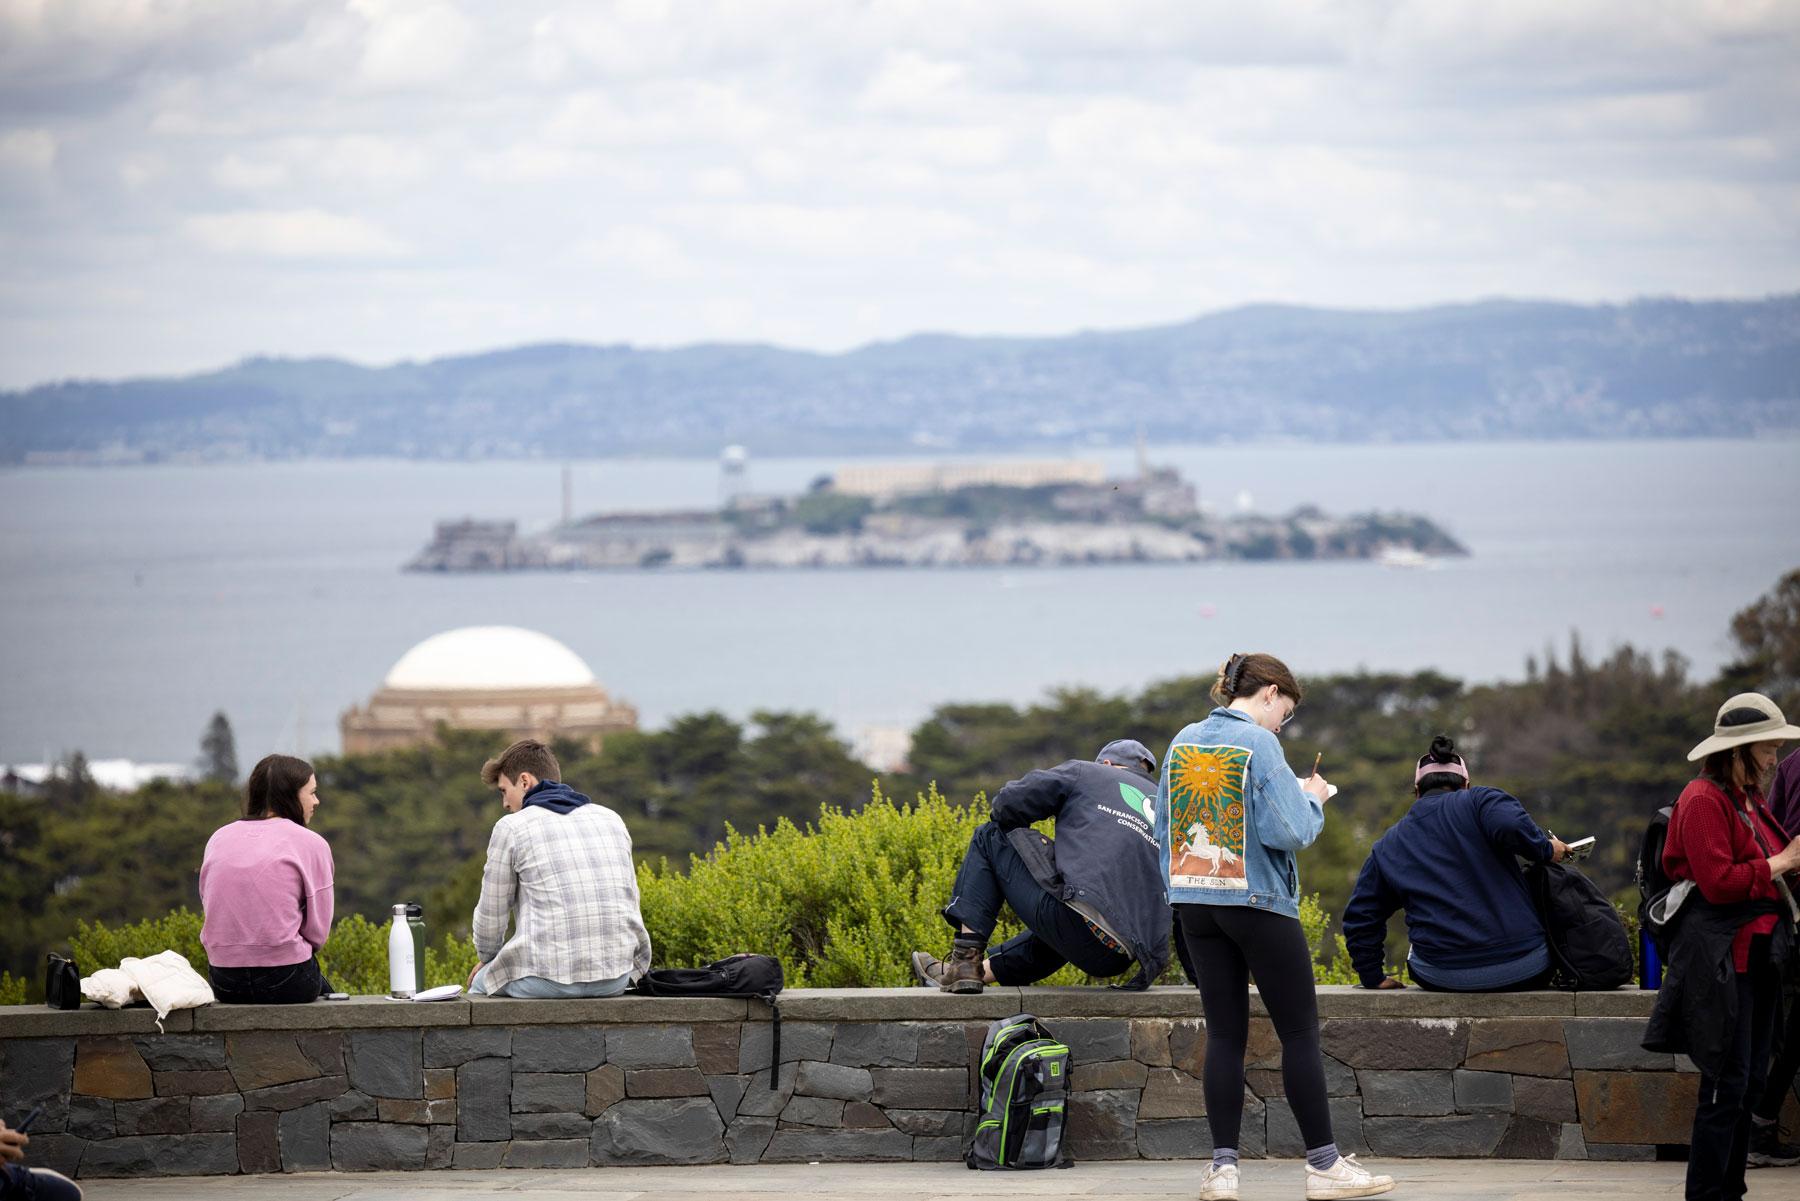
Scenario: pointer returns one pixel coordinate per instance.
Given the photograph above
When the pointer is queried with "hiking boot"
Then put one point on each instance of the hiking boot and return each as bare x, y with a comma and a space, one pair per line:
959, 973
1219, 1182
1766, 1148
1345, 1178
929, 970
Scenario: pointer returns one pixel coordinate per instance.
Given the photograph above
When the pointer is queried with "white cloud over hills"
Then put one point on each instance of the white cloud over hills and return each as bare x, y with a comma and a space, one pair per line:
185, 182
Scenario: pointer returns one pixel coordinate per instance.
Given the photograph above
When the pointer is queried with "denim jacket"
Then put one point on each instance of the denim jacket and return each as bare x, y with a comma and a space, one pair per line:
1231, 815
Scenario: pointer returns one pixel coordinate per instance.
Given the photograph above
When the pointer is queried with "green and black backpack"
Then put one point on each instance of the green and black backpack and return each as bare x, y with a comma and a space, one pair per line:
1024, 1092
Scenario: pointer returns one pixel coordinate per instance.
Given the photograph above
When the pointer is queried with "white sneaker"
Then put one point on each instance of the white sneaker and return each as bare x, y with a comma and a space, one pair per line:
1345, 1178
1219, 1183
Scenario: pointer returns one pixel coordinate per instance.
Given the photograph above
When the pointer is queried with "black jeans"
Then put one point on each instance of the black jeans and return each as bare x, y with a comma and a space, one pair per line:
1786, 1067
20, 1183
1721, 1140
1229, 946
992, 873
293, 984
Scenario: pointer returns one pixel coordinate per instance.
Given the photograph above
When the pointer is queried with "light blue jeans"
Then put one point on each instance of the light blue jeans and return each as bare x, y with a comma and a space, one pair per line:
536, 987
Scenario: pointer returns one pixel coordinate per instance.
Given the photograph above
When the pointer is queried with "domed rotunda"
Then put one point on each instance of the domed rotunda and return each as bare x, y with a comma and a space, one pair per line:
519, 683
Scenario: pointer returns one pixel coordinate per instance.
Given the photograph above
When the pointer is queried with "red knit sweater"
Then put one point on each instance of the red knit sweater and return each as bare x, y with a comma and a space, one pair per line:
1710, 846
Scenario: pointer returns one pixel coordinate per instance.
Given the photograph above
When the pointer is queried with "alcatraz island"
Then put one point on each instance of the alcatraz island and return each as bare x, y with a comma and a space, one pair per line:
999, 514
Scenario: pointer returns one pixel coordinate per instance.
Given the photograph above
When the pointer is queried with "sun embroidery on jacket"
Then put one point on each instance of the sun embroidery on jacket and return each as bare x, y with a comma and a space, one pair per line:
1206, 816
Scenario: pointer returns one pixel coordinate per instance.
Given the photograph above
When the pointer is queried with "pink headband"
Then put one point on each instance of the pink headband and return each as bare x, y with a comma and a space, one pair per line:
1427, 767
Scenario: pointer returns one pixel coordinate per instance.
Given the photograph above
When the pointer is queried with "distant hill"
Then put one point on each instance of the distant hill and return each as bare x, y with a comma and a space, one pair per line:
1497, 369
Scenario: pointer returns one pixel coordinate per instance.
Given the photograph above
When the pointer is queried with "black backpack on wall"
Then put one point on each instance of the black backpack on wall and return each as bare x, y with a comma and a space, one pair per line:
1589, 948
744, 975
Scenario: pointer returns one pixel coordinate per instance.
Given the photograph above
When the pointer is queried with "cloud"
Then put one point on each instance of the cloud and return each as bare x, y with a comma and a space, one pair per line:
28, 152
293, 234
411, 43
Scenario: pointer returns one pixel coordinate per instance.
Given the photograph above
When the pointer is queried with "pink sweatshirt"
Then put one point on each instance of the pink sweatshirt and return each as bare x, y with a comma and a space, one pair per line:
266, 888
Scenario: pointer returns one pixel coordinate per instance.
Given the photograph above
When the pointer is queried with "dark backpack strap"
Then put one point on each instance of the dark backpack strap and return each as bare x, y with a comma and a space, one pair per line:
774, 1038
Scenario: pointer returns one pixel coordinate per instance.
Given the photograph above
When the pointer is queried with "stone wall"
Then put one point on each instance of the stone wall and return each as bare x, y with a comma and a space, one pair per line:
864, 1075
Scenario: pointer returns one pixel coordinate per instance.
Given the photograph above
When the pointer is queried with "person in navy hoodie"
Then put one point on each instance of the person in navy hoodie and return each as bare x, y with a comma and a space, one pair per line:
1453, 864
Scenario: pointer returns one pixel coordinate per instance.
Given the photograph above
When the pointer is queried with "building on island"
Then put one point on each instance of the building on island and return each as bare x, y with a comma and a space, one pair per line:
518, 683
885, 481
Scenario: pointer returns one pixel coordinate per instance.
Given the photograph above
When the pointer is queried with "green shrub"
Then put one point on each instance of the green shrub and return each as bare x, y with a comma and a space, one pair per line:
12, 989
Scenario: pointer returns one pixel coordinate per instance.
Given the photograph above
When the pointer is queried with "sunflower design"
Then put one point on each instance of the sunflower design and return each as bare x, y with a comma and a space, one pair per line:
1206, 815
1208, 774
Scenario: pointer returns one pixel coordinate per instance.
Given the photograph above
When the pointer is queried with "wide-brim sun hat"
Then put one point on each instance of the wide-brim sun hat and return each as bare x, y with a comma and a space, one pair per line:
1746, 717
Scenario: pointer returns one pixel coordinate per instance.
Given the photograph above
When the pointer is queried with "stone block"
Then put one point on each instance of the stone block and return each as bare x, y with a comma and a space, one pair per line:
1483, 1092
875, 1045
726, 1092
554, 1125
1418, 1045
548, 1092
440, 1084
1281, 1132
1472, 1136
838, 1146
305, 1137
262, 1058
352, 1107
387, 1063
1119, 1073
685, 1130
1102, 1124
191, 1084
1529, 1138
1421, 1094
182, 1052
605, 1087
1150, 1042
258, 1142
799, 1040
214, 1115
1621, 1152
1175, 1138
92, 1117
377, 1146
1571, 1145
1340, 1081
406, 1113
654, 1046
812, 1111
440, 1147
300, 1092
761, 1101
558, 1049
665, 1082
59, 1152
716, 1047
158, 1155
546, 1153
37, 1070
325, 1048
815, 1079
158, 1115
937, 1150
747, 1138
1093, 1040
479, 1157
919, 1088
944, 1044
484, 1101
1549, 1100
1262, 1048
110, 1066
860, 1115
1522, 1046
1612, 1045
1635, 1107
455, 1046
929, 1123
1171, 1094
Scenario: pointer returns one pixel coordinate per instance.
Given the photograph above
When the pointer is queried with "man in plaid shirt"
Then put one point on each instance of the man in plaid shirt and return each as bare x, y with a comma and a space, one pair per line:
560, 867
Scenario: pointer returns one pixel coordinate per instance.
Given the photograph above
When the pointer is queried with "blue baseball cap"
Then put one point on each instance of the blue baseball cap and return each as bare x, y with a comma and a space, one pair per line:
1125, 752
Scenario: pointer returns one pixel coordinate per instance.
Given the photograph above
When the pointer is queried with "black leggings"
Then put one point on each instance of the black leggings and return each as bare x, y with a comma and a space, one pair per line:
1230, 944
291, 984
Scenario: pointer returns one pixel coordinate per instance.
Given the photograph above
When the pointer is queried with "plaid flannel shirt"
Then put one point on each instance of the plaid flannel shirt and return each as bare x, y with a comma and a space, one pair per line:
568, 882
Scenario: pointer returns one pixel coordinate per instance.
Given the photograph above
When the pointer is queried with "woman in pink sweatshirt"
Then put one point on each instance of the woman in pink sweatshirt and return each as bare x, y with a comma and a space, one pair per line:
265, 885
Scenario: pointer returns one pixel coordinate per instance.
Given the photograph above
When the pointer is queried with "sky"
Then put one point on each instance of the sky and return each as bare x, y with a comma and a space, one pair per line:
184, 183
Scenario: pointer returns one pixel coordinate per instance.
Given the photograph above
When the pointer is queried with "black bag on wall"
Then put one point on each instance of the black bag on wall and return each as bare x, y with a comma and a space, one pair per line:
62, 982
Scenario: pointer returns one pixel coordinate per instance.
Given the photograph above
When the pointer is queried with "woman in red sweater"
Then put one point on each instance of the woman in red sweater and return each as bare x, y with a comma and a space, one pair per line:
1722, 837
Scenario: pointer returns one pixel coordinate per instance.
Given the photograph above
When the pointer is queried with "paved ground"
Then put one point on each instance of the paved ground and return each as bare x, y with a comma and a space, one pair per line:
1465, 1180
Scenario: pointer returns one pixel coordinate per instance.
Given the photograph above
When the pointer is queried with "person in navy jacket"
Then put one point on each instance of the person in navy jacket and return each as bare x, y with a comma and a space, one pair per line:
1452, 864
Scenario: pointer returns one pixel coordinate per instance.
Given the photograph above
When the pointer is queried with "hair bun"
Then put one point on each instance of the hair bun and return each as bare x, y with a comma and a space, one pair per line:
1443, 750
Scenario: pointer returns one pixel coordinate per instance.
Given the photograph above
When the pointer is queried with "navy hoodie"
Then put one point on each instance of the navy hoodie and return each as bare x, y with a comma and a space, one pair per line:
1450, 863
1104, 859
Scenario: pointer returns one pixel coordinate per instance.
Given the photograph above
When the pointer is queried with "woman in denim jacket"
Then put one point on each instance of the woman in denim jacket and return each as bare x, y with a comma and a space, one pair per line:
1232, 815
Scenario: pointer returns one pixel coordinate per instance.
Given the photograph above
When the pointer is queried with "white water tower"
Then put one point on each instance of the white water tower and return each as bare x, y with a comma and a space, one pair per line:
734, 474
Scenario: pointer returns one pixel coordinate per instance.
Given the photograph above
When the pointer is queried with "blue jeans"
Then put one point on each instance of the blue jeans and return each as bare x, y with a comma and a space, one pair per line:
993, 873
538, 988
